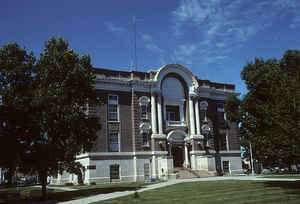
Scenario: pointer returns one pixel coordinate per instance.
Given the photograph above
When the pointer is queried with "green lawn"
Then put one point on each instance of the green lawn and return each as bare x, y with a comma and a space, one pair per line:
114, 185
293, 176
14, 195
231, 192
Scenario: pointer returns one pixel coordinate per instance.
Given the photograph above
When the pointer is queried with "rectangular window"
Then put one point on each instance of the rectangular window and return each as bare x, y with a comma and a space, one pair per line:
202, 115
143, 111
226, 166
114, 171
223, 142
172, 113
146, 139
113, 141
113, 108
220, 112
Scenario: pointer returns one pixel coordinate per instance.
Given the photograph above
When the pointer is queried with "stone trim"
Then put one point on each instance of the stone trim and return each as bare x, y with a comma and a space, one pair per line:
158, 136
200, 137
87, 155
230, 152
197, 152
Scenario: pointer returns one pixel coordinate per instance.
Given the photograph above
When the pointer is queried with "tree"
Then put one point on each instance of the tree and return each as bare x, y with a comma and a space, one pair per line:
268, 113
45, 107
77, 169
16, 80
64, 86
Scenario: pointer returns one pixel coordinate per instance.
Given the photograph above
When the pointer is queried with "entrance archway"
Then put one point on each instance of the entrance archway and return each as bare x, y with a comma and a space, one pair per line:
176, 146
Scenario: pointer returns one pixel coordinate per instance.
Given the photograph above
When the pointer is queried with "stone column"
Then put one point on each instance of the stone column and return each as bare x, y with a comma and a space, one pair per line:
192, 120
153, 114
197, 117
159, 112
170, 148
181, 111
186, 156
227, 140
154, 174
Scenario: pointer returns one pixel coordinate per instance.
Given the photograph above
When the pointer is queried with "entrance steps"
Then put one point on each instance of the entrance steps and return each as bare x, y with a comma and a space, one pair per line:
186, 173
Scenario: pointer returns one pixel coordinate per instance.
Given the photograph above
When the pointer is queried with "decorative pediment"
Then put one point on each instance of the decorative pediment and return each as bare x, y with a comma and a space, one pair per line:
144, 100
145, 127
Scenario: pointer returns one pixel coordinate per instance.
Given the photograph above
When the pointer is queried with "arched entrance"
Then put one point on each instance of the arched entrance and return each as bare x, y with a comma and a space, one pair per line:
176, 142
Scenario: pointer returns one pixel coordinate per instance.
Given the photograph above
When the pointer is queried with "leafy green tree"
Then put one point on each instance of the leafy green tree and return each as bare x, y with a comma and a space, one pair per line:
268, 113
64, 86
16, 82
44, 120
77, 169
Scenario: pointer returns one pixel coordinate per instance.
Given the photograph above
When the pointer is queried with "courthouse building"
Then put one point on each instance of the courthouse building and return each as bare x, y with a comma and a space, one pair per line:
153, 122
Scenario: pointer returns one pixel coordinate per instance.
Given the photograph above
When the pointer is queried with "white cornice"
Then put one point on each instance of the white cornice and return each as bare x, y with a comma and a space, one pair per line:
150, 153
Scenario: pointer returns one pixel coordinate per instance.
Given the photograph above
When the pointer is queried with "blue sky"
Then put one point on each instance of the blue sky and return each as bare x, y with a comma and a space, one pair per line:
213, 38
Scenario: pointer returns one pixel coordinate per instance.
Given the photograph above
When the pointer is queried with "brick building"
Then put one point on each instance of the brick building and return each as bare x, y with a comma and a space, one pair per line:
155, 121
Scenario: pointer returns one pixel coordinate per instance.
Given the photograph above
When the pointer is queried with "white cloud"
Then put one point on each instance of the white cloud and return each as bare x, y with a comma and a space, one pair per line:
151, 45
113, 28
223, 25
295, 23
147, 38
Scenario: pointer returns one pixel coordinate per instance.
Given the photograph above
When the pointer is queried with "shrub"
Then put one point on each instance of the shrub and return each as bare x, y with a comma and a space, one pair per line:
69, 184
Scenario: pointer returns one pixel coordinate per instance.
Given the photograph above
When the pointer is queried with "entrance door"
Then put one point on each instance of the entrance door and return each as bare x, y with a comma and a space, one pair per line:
177, 153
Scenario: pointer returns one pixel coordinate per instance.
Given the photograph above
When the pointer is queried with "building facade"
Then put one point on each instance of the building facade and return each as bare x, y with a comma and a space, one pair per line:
155, 121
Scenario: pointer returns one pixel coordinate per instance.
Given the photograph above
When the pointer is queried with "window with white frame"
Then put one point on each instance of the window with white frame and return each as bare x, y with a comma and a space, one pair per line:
143, 102
144, 111
145, 128
113, 140
114, 171
172, 113
220, 112
226, 166
223, 142
146, 139
113, 108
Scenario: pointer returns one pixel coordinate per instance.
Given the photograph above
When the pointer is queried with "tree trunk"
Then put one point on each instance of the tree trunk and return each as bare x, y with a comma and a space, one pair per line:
43, 178
10, 175
79, 176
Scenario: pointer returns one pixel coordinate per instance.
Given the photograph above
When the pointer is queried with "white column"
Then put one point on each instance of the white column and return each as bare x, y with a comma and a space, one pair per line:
159, 112
181, 111
186, 154
192, 120
154, 174
227, 142
153, 114
135, 173
197, 117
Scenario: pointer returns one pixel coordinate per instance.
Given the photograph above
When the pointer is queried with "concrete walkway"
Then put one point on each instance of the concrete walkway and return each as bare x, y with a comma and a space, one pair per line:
102, 197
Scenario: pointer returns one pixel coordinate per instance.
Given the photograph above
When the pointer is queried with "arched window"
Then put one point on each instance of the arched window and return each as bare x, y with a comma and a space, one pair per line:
143, 102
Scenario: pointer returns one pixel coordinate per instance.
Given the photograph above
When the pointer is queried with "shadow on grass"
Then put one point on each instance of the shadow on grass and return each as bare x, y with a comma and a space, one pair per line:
289, 187
33, 196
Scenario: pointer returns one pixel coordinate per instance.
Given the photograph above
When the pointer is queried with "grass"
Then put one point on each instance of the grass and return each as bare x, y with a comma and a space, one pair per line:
222, 192
24, 194
114, 185
14, 194
292, 176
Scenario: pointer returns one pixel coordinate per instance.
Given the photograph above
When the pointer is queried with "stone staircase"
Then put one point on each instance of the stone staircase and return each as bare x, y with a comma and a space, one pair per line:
185, 173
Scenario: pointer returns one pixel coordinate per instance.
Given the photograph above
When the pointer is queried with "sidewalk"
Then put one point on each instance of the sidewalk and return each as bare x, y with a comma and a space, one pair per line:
102, 197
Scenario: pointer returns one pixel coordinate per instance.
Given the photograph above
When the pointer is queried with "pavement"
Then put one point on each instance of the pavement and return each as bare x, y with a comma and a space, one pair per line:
113, 195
